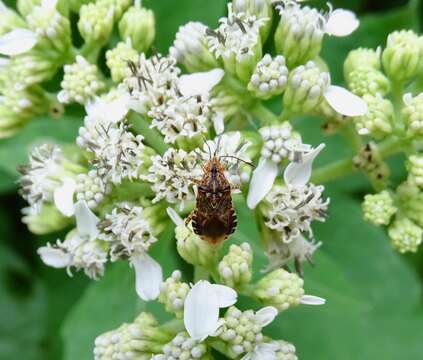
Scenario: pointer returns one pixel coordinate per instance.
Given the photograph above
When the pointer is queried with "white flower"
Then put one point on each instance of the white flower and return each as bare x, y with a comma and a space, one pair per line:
148, 276
201, 308
17, 42
199, 83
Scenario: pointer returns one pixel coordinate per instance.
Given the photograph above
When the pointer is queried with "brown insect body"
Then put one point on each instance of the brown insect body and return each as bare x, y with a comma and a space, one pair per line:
214, 218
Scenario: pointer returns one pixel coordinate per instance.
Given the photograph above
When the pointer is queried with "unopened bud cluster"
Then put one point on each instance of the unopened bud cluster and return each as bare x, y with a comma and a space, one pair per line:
235, 267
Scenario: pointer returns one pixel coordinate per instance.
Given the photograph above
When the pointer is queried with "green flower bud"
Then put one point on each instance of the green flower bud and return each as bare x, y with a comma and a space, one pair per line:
194, 250
371, 163
378, 119
117, 60
138, 24
405, 235
410, 201
91, 188
415, 170
173, 293
359, 59
365, 81
306, 86
412, 114
118, 6
191, 49
9, 20
280, 289
183, 347
402, 56
299, 36
95, 23
269, 78
379, 208
46, 221
284, 350
81, 82
26, 6
235, 267
75, 5
226, 101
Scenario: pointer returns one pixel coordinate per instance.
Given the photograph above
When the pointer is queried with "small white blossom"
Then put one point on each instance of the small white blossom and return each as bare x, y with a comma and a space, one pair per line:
182, 347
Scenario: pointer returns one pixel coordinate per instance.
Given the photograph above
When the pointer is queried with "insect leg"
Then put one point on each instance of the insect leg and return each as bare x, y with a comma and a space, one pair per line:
189, 218
298, 267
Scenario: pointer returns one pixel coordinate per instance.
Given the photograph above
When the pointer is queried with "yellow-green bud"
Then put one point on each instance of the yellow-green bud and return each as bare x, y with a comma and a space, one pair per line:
405, 235
235, 267
95, 23
117, 60
118, 6
280, 289
26, 6
361, 58
138, 24
75, 5
46, 221
194, 250
410, 201
378, 119
306, 87
402, 56
412, 114
368, 81
379, 208
9, 20
415, 170
173, 293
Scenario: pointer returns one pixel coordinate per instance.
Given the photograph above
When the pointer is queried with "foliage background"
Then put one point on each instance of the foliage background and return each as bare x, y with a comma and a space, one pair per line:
374, 308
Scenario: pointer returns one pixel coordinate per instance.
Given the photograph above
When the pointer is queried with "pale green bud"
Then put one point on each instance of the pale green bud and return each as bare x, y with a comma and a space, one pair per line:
26, 6
269, 78
183, 347
81, 82
235, 268
173, 293
138, 24
91, 188
95, 23
412, 114
117, 60
9, 20
75, 5
371, 163
305, 90
284, 350
415, 170
194, 250
118, 6
365, 81
378, 119
280, 289
410, 201
191, 49
402, 56
379, 208
405, 235
226, 101
46, 221
361, 58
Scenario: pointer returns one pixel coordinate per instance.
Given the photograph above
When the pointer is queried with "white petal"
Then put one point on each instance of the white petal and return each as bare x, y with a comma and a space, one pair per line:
17, 41
199, 83
266, 315
261, 182
218, 123
86, 221
345, 102
299, 173
226, 296
201, 311
174, 216
407, 98
341, 23
312, 300
48, 5
63, 197
53, 257
111, 111
148, 276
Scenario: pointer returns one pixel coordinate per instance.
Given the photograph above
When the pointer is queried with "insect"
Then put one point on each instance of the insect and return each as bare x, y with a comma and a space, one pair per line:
214, 218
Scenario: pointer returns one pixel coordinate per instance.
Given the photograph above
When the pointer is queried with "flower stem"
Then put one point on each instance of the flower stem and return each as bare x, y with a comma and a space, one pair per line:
201, 273
261, 112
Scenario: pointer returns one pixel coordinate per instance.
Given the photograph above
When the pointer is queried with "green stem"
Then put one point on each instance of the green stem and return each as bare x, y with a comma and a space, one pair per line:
352, 137
262, 113
201, 273
397, 125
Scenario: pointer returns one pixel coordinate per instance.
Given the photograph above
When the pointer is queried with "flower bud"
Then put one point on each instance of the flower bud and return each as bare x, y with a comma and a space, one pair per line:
280, 289
45, 221
118, 6
227, 101
378, 119
269, 78
284, 350
117, 60
81, 82
306, 87
379, 208
410, 201
402, 56
173, 293
91, 188
9, 20
26, 6
75, 5
361, 58
405, 235
371, 163
412, 114
138, 24
95, 23
365, 81
415, 170
194, 250
191, 49
235, 267
299, 35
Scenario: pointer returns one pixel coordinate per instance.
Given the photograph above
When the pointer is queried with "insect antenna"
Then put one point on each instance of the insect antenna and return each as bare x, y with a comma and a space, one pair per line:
234, 157
208, 146
217, 146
